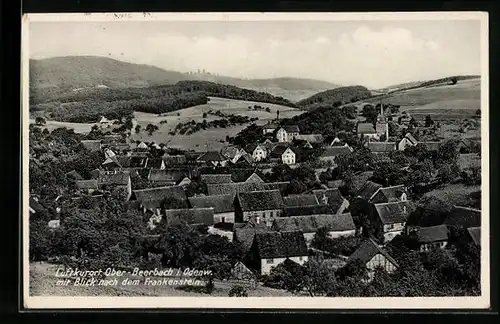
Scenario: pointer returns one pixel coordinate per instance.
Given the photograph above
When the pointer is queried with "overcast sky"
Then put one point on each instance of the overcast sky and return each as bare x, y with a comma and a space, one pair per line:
370, 53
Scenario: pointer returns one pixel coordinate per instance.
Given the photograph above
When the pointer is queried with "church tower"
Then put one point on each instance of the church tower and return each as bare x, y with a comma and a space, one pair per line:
382, 127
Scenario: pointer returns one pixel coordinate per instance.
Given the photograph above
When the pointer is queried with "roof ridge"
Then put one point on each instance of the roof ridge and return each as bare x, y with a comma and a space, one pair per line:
467, 208
392, 202
195, 208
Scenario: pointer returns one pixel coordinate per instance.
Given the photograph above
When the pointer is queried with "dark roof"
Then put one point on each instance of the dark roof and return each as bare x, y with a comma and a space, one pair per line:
334, 184
229, 151
220, 203
394, 212
234, 188
86, 184
252, 146
280, 244
211, 156
118, 146
94, 174
367, 250
336, 151
300, 200
475, 233
173, 176
74, 175
216, 178
431, 146
194, 216
278, 151
260, 200
368, 189
311, 138
432, 234
245, 235
291, 128
153, 197
154, 163
312, 223
92, 145
307, 210
174, 159
109, 139
391, 194
334, 198
412, 139
245, 157
254, 178
463, 216
119, 178
138, 161
35, 205
122, 160
382, 147
366, 128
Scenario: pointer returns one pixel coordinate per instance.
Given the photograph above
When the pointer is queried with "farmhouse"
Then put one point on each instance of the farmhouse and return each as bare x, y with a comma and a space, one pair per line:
389, 194
151, 199
272, 248
305, 210
391, 218
431, 146
232, 153
116, 179
337, 225
333, 152
336, 142
432, 237
381, 147
284, 153
368, 190
191, 216
300, 200
332, 198
245, 235
92, 145
257, 206
223, 206
234, 188
287, 133
212, 158
407, 141
165, 177
310, 138
366, 130
257, 152
373, 256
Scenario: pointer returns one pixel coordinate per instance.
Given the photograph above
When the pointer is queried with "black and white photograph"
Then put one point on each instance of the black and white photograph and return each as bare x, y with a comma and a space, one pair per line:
292, 160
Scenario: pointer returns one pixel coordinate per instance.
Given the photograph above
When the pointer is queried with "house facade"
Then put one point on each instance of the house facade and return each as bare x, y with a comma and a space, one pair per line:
287, 133
432, 237
258, 206
373, 256
288, 157
259, 153
223, 206
391, 218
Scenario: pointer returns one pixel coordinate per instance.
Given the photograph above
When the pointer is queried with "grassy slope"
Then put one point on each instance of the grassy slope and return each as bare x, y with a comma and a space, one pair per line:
212, 137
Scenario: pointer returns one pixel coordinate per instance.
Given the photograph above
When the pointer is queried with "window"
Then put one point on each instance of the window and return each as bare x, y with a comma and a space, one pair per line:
270, 261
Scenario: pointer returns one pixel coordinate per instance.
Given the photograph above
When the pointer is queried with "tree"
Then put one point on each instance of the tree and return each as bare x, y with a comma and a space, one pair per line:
478, 112
238, 291
370, 113
205, 115
137, 128
453, 80
39, 121
428, 121
150, 128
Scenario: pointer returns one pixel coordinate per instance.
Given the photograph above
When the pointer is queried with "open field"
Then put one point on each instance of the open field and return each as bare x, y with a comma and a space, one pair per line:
43, 283
211, 137
78, 127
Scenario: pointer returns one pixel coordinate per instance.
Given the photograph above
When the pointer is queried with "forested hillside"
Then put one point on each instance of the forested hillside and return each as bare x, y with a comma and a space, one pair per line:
336, 96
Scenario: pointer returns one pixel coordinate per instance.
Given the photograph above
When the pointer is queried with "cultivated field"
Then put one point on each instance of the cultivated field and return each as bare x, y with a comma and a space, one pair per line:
77, 127
210, 138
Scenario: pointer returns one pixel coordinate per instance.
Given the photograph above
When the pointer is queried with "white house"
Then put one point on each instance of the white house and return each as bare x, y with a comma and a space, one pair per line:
407, 141
373, 256
391, 218
284, 153
287, 133
258, 152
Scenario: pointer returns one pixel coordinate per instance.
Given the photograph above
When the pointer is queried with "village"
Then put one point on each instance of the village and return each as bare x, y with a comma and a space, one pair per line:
234, 193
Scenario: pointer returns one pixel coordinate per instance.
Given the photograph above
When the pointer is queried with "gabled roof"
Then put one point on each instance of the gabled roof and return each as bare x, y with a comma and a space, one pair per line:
475, 234
390, 194
432, 234
280, 244
312, 223
171, 160
332, 197
174, 176
152, 198
119, 178
336, 151
260, 200
216, 178
305, 210
367, 250
366, 128
368, 189
193, 216
234, 188
220, 203
300, 200
278, 151
154, 163
311, 138
74, 175
463, 216
86, 184
92, 145
381, 147
244, 158
291, 128
394, 212
410, 138
254, 178
211, 156
250, 148
185, 181
245, 235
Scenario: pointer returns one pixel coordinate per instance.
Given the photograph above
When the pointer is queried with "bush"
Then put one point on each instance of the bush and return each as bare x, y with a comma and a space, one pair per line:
238, 291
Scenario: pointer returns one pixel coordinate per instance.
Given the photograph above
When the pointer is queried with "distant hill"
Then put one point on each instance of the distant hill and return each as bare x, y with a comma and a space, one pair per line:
336, 96
420, 84
77, 72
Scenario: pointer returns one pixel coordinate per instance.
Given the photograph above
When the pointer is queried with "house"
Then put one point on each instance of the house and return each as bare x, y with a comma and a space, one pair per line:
300, 200
475, 235
142, 146
336, 142
191, 216
381, 147
258, 206
366, 130
174, 160
373, 256
216, 178
284, 153
151, 199
333, 152
234, 188
269, 249
254, 178
391, 218
257, 152
212, 158
87, 186
287, 133
232, 153
115, 179
155, 163
165, 177
389, 194
337, 225
333, 198
305, 210
92, 145
241, 272
310, 138
407, 141
269, 128
244, 235
223, 206
243, 159
465, 217
368, 190
432, 237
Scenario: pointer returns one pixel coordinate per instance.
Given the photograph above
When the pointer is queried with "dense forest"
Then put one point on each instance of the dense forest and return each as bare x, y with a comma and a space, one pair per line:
336, 96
